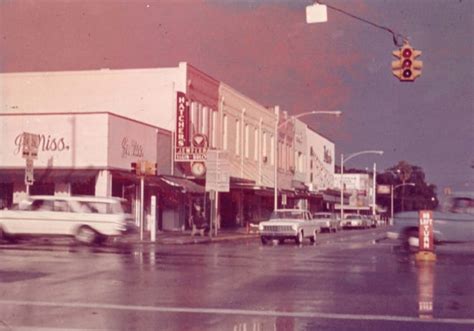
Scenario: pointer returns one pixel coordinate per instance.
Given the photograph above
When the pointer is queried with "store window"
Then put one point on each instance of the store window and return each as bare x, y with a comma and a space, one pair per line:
255, 147
247, 140
83, 187
6, 195
225, 132
237, 137
42, 189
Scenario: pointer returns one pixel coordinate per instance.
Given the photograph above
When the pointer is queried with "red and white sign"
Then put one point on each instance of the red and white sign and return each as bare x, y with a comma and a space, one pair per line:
182, 120
426, 230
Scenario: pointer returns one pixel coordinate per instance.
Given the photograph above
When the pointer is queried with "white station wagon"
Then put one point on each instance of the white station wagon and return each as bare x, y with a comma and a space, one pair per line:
87, 219
289, 224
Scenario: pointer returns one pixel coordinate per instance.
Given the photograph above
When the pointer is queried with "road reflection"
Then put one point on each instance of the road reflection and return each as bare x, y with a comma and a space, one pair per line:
425, 286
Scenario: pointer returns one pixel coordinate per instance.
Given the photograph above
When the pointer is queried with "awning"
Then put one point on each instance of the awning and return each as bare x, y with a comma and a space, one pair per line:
183, 184
49, 175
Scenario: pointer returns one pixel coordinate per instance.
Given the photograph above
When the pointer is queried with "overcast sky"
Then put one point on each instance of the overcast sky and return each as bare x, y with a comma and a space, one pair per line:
266, 50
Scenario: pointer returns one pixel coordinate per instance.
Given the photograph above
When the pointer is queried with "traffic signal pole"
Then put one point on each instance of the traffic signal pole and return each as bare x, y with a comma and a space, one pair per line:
406, 68
142, 205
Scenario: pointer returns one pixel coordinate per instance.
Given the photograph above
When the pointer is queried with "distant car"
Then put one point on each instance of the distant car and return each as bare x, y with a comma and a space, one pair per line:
293, 224
327, 221
87, 219
372, 220
356, 221
454, 224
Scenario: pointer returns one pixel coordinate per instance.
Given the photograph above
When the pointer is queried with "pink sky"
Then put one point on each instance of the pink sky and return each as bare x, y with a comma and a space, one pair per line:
266, 50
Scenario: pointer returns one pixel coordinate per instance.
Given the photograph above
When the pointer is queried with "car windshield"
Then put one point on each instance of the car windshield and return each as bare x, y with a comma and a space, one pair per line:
463, 205
287, 214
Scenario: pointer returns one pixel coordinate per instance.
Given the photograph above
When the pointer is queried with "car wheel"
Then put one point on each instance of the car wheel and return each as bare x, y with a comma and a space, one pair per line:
263, 240
299, 237
5, 236
314, 237
86, 235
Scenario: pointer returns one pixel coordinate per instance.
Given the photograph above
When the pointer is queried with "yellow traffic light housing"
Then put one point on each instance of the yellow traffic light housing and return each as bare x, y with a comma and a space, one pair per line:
406, 68
150, 168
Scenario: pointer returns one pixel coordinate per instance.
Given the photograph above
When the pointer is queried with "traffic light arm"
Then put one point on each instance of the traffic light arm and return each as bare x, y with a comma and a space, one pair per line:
396, 36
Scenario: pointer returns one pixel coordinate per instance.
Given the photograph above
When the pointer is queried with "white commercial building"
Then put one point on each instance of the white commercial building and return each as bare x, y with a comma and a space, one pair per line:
94, 124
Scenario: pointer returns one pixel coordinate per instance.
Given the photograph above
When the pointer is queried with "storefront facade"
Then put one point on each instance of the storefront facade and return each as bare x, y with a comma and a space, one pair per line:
79, 154
171, 116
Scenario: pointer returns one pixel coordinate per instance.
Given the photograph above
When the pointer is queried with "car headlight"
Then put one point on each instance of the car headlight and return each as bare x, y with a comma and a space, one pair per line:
294, 227
260, 227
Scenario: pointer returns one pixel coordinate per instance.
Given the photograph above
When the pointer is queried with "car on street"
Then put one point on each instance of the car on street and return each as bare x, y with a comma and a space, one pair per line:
87, 219
453, 223
293, 224
327, 221
355, 221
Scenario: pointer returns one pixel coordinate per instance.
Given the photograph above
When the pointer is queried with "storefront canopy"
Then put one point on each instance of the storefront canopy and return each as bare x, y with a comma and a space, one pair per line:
49, 175
183, 184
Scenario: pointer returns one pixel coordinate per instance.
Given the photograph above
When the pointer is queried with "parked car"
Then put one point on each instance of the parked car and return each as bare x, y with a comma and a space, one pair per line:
454, 223
327, 221
87, 219
293, 224
372, 220
357, 221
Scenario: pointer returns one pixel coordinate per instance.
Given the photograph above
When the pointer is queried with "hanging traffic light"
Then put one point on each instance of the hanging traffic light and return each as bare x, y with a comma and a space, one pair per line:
406, 67
144, 168
150, 168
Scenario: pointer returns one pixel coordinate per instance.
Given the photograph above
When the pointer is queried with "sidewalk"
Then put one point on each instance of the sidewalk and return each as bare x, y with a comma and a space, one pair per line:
185, 238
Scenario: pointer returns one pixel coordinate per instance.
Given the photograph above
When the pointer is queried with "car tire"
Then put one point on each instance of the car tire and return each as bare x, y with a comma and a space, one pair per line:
263, 240
5, 236
313, 238
299, 238
86, 235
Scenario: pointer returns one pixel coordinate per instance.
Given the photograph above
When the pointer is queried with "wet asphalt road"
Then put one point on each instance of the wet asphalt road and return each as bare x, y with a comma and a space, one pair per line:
348, 281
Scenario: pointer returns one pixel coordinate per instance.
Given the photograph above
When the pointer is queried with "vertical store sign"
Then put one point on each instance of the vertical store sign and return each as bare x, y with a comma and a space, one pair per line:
182, 120
426, 230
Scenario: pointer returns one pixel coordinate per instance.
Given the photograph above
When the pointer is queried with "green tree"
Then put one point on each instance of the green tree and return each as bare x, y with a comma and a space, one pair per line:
419, 196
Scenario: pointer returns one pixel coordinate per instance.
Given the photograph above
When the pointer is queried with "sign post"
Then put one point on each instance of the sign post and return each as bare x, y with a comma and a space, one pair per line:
425, 236
217, 180
29, 153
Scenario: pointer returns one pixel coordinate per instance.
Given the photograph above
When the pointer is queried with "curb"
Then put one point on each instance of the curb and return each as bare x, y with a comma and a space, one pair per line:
194, 240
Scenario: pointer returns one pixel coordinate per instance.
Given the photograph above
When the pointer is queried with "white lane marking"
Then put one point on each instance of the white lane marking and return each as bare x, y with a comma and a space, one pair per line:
265, 313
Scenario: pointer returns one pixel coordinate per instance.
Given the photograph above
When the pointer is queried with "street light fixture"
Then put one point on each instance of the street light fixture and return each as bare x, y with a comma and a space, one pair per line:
342, 173
277, 126
393, 188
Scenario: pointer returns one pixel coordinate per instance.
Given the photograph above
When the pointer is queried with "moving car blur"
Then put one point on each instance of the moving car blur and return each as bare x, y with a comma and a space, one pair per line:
87, 219
453, 223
